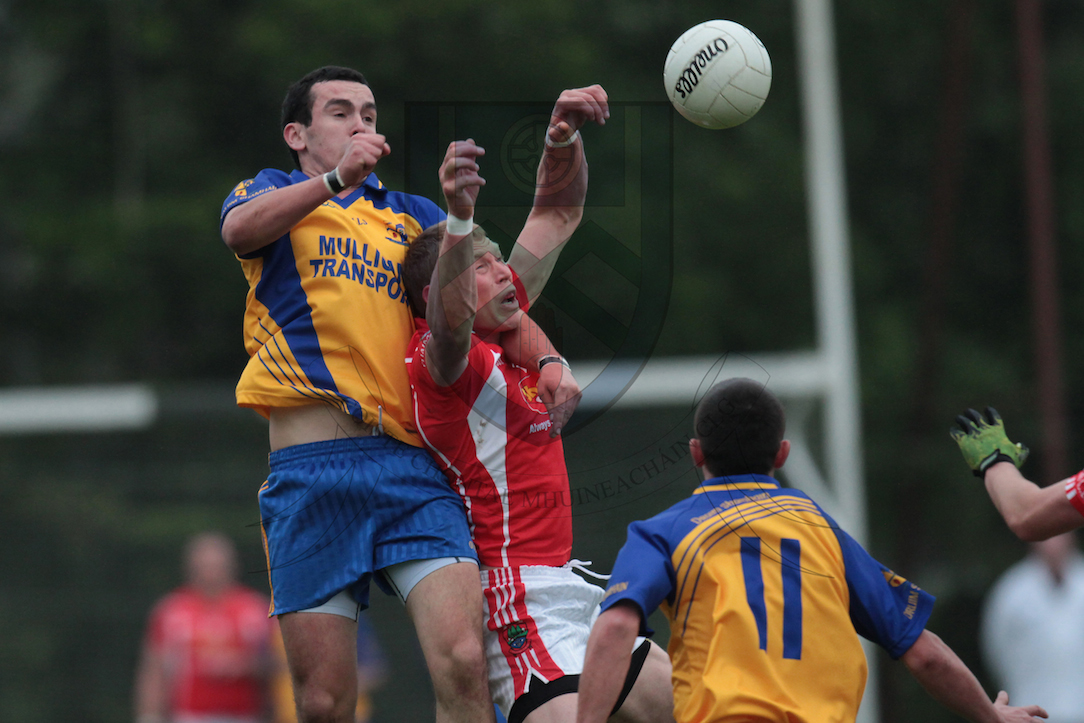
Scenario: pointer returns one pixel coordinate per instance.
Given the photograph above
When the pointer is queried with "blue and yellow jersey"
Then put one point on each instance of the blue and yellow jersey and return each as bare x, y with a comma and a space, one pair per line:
326, 319
764, 593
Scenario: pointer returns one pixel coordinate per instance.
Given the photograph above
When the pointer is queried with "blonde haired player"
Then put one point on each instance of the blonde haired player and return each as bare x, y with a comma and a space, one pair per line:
482, 417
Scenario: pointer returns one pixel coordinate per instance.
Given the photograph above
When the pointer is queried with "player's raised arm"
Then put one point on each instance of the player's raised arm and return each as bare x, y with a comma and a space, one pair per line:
254, 224
1032, 512
560, 187
453, 293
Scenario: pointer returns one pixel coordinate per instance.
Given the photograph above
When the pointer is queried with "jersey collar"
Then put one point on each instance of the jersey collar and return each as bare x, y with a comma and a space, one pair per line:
738, 482
373, 183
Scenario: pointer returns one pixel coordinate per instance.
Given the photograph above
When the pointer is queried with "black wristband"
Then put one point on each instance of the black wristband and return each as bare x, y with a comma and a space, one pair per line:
334, 181
551, 359
990, 462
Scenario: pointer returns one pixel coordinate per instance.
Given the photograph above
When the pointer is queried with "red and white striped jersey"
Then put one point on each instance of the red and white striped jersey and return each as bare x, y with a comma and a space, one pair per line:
490, 433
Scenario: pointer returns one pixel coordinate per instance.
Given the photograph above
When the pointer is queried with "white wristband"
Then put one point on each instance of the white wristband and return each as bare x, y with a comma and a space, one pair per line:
561, 144
460, 226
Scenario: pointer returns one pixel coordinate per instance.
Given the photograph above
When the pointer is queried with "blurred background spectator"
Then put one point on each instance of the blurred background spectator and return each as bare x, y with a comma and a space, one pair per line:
206, 652
1032, 631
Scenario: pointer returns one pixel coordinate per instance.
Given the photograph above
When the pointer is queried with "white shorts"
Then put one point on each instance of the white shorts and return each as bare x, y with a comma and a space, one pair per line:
538, 620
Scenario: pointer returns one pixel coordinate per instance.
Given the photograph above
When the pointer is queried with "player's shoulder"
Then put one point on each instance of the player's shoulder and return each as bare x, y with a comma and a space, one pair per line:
802, 499
179, 602
674, 520
272, 177
263, 182
170, 601
421, 208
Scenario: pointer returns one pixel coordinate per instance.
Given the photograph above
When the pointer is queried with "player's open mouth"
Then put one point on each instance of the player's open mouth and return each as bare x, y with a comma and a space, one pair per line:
510, 298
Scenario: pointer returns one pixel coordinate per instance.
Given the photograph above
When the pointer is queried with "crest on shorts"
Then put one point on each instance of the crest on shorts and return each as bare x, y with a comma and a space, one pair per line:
516, 637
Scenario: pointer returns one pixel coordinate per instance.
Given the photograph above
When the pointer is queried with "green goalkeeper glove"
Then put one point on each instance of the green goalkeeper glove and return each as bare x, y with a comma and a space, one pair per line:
983, 442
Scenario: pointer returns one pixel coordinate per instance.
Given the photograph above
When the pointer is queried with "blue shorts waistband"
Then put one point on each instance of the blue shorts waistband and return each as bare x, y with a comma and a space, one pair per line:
345, 447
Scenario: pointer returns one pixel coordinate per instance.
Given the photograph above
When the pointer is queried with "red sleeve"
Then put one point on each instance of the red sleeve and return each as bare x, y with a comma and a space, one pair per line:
1074, 490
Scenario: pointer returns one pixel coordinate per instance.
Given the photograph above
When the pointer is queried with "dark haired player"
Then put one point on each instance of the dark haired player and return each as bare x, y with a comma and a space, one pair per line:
765, 594
351, 492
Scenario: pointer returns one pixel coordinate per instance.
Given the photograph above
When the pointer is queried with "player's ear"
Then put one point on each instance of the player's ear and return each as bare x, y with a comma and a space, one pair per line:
782, 454
425, 294
291, 133
696, 452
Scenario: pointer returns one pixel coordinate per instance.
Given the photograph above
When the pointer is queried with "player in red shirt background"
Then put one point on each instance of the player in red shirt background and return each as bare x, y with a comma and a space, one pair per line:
206, 653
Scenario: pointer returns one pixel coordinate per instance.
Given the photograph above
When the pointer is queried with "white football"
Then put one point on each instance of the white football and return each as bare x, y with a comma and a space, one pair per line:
718, 74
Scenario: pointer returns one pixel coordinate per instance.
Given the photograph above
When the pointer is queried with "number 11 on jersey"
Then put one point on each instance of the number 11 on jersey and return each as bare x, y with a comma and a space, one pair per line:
789, 559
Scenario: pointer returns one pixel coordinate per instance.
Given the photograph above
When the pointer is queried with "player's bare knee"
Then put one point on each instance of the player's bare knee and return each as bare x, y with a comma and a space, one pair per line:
462, 665
319, 705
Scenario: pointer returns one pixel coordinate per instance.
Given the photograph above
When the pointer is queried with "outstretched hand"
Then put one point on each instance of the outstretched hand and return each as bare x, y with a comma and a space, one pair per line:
573, 109
560, 393
1010, 714
459, 177
982, 440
